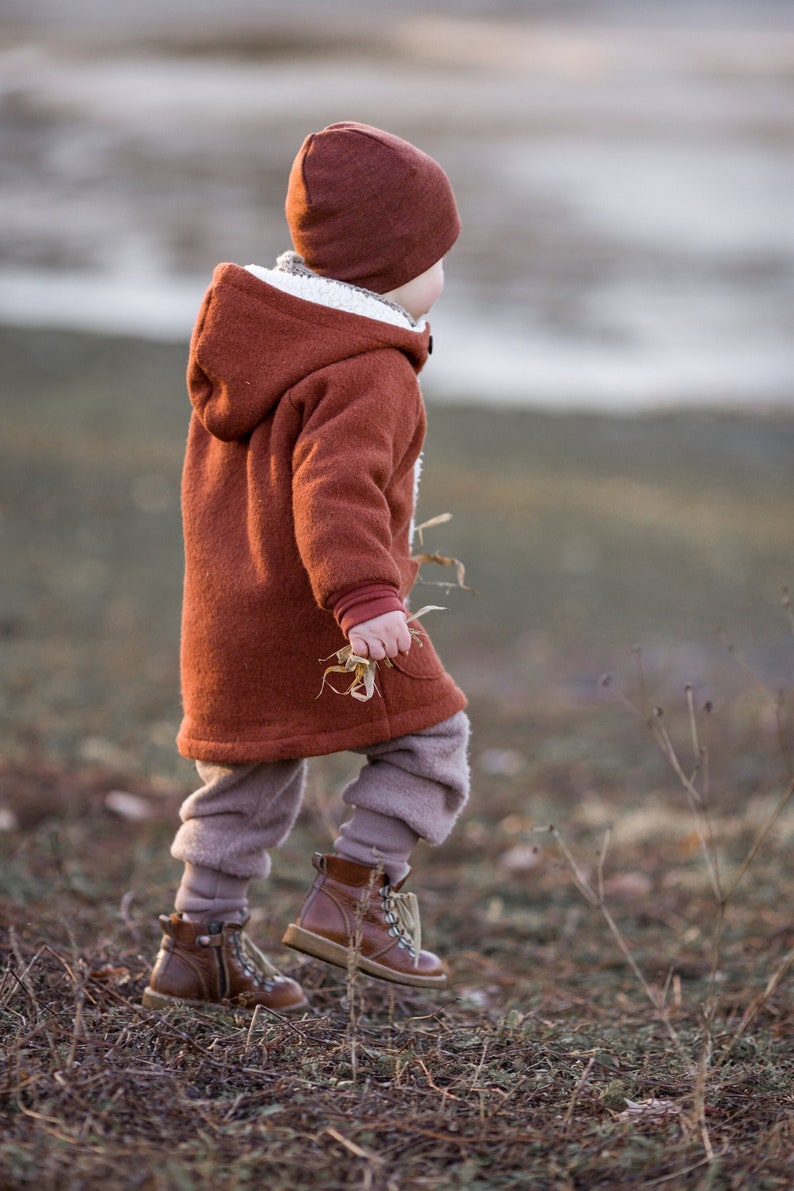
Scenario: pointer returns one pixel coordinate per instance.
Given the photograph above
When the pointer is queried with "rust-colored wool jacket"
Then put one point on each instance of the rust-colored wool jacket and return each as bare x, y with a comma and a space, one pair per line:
298, 488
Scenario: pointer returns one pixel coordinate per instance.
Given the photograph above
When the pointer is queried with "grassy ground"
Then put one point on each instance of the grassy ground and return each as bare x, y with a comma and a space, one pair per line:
617, 1017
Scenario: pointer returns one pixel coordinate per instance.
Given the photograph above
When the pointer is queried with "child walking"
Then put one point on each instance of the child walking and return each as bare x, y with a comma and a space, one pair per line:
298, 498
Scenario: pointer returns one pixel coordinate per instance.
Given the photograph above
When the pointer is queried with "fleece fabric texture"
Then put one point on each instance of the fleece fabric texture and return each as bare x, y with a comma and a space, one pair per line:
367, 207
208, 895
298, 487
240, 812
412, 787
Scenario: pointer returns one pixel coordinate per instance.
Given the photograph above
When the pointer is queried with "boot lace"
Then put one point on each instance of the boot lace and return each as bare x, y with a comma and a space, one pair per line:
401, 911
254, 962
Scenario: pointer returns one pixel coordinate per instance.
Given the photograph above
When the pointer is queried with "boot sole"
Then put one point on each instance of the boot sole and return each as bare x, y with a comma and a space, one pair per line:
152, 999
334, 953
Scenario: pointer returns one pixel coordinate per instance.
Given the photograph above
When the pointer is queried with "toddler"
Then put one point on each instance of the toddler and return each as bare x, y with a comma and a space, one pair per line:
298, 499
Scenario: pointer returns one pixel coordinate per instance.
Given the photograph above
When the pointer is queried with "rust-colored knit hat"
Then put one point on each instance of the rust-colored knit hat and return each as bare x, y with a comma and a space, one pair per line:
367, 207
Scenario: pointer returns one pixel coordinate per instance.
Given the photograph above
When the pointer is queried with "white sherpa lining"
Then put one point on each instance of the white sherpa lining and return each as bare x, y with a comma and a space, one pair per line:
324, 291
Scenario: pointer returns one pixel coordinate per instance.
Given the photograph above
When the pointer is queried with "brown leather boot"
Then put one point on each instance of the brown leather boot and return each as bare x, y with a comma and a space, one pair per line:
353, 906
209, 963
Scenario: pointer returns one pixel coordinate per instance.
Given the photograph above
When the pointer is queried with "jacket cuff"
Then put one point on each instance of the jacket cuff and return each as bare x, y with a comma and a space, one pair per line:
354, 605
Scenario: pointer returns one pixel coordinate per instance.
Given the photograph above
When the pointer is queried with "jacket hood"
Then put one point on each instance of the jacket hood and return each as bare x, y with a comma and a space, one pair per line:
261, 331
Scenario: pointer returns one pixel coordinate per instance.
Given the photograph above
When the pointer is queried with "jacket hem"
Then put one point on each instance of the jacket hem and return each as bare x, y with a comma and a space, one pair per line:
322, 744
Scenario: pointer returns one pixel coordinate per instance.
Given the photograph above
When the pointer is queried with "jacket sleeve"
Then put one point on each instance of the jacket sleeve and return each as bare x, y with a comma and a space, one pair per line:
353, 463
362, 603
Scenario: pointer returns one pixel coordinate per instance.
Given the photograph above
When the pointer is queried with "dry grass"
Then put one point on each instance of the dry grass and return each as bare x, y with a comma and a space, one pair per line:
643, 1040
617, 1018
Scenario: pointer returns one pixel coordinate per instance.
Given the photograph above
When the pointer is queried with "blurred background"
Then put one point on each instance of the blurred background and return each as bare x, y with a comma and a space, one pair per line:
611, 394
624, 171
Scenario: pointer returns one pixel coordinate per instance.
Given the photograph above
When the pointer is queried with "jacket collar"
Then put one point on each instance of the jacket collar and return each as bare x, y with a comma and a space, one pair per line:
292, 276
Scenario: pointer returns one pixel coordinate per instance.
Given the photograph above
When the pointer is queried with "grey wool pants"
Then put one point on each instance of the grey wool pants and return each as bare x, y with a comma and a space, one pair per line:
413, 787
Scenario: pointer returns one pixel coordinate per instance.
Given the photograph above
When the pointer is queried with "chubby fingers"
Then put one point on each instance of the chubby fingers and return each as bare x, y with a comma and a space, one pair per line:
399, 639
382, 637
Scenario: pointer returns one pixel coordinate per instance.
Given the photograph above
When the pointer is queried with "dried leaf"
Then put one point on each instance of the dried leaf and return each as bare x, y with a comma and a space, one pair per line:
363, 670
521, 858
128, 806
651, 1109
362, 685
441, 519
415, 616
8, 820
443, 561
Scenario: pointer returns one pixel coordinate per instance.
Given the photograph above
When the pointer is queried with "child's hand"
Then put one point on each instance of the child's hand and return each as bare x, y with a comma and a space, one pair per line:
382, 637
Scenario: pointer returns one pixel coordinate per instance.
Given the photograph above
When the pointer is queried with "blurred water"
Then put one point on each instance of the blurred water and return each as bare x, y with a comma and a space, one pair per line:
624, 174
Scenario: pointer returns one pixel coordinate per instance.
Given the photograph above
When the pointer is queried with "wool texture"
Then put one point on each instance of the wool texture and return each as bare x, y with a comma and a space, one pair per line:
298, 489
422, 779
374, 839
208, 895
239, 813
367, 207
413, 787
